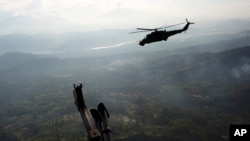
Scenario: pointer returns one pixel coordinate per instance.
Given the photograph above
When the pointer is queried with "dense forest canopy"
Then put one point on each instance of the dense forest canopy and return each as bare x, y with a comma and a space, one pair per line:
151, 96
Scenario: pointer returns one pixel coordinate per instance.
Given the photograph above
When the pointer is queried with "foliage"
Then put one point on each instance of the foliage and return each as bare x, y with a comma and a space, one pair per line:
150, 96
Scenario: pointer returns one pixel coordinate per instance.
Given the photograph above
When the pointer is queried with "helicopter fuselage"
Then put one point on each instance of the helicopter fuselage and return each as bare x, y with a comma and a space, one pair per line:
158, 36
161, 35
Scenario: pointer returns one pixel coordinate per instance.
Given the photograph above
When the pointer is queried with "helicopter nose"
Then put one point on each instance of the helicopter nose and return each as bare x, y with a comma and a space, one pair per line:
141, 43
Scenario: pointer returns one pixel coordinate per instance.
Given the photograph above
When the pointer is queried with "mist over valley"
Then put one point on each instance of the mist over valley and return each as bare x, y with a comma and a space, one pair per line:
158, 92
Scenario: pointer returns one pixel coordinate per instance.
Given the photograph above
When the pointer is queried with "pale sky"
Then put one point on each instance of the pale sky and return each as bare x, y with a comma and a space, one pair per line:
42, 16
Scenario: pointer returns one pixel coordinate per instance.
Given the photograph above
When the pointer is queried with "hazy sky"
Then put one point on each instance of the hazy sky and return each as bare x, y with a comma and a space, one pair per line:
37, 16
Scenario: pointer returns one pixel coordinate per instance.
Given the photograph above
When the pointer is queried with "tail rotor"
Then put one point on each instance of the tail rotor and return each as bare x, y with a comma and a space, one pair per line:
189, 22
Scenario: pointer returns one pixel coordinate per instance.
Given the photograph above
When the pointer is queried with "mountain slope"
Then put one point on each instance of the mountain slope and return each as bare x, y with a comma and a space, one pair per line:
154, 95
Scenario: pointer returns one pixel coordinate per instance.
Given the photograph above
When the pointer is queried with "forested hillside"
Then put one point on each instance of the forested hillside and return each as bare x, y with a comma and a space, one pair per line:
150, 96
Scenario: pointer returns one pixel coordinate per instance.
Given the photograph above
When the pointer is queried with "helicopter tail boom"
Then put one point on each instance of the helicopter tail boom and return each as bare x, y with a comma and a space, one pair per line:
187, 25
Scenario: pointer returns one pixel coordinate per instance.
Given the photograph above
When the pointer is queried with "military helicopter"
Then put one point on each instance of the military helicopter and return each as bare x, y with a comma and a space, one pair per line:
160, 35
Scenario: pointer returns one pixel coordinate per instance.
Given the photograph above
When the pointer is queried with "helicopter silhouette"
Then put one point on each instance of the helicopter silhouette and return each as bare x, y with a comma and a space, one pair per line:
160, 35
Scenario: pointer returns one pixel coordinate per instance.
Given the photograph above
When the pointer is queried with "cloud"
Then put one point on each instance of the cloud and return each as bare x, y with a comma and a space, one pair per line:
68, 15
113, 46
47, 52
242, 70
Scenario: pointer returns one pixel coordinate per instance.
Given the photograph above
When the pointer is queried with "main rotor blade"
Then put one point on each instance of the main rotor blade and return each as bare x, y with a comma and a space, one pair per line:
148, 29
138, 32
170, 26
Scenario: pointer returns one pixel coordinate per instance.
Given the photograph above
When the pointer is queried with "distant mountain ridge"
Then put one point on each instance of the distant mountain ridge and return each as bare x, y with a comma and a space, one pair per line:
225, 60
82, 43
218, 46
167, 93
